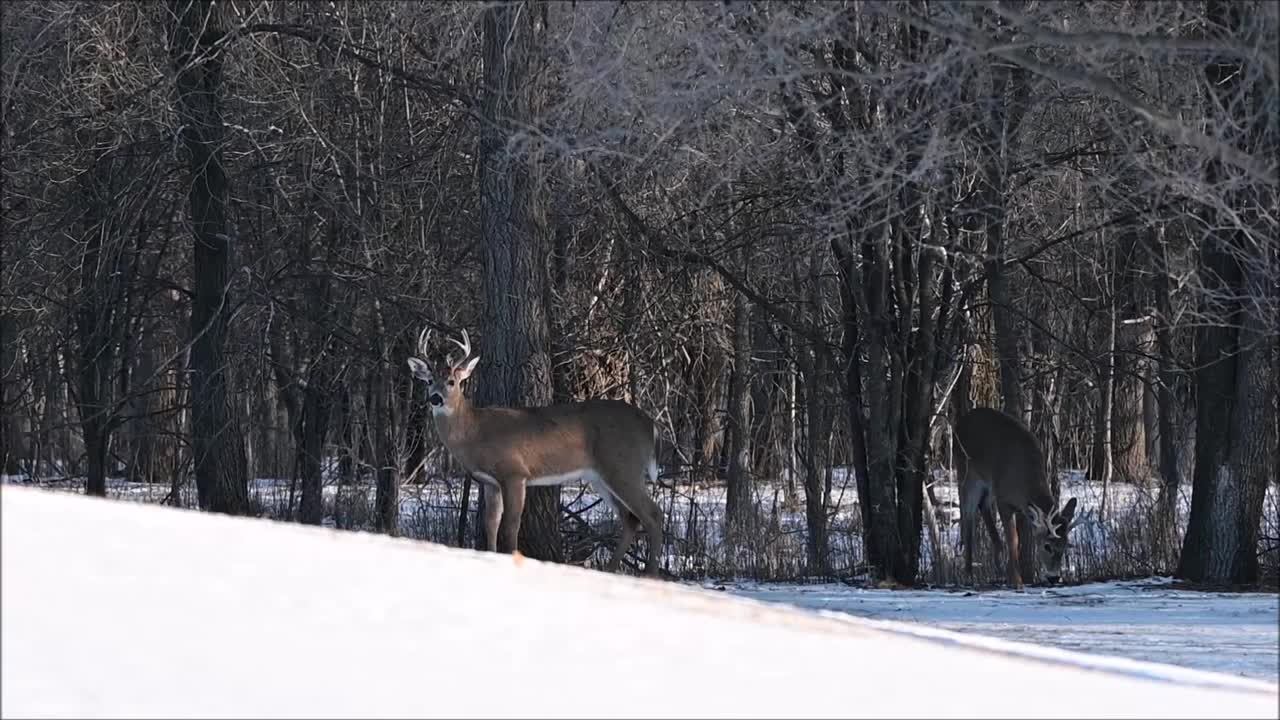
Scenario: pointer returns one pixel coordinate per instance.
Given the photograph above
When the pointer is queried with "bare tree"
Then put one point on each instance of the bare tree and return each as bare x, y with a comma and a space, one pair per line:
1235, 448
197, 46
516, 350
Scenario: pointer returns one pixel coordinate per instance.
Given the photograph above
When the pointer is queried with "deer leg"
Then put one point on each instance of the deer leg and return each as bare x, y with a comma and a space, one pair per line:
650, 518
513, 500
636, 506
1011, 539
989, 519
492, 515
966, 539
970, 500
627, 536
653, 530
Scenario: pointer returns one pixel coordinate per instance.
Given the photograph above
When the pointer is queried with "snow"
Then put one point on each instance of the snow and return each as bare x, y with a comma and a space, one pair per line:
1124, 544
1146, 620
125, 609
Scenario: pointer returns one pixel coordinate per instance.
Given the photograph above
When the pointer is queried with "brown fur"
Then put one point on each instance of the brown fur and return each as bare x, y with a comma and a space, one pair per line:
1000, 467
516, 445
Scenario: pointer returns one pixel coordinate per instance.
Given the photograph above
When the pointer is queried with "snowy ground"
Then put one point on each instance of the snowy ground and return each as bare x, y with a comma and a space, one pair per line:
1121, 544
116, 609
1148, 620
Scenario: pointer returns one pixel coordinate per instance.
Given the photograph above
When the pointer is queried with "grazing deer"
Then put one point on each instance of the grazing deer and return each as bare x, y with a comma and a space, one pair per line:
1000, 466
609, 443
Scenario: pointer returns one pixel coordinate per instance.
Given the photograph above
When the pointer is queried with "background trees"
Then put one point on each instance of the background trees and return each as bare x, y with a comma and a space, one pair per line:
801, 236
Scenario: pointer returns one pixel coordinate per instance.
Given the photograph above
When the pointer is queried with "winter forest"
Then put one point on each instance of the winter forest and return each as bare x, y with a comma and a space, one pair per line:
804, 237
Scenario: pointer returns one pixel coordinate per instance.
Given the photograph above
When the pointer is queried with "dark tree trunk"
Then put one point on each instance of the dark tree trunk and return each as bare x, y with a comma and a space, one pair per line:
818, 547
93, 374
381, 427
846, 264
517, 369
816, 456
915, 420
415, 470
96, 313
883, 378
1236, 441
346, 436
1008, 105
12, 450
218, 455
314, 430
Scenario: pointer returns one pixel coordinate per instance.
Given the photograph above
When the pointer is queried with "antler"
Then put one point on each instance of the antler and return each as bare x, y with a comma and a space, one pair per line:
1039, 519
465, 345
424, 338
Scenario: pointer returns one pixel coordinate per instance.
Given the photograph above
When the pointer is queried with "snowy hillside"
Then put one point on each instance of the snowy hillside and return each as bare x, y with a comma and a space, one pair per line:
122, 609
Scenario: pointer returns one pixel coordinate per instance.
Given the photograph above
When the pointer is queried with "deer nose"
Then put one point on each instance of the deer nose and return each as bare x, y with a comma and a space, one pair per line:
436, 399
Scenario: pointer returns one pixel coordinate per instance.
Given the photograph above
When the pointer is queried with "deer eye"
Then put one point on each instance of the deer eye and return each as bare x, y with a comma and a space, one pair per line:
1048, 547
450, 383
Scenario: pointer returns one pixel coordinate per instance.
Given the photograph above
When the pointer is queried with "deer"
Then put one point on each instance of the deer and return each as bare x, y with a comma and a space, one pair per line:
1000, 467
611, 444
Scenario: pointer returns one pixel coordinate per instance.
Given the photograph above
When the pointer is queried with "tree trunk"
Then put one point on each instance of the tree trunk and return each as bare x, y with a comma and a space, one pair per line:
386, 480
517, 369
218, 455
1133, 347
1129, 437
1009, 90
846, 264
13, 446
818, 547
1104, 459
816, 455
1236, 442
738, 504
314, 430
917, 411
93, 386
346, 436
1167, 407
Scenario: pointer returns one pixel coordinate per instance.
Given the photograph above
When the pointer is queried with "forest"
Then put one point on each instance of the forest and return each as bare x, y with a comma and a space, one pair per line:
804, 237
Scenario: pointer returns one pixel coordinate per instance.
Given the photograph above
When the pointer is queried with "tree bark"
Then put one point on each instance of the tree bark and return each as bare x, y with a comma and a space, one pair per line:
13, 448
1008, 105
218, 454
738, 504
517, 362
846, 263
1236, 438
1167, 407
94, 318
313, 431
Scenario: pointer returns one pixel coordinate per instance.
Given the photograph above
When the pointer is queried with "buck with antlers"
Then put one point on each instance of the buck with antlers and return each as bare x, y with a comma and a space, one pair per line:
609, 443
1000, 467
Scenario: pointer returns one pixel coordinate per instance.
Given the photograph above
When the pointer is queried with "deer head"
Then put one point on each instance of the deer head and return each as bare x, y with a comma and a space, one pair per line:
444, 384
1050, 535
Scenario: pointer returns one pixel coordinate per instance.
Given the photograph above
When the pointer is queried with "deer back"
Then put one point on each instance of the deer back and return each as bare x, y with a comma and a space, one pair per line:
1001, 450
551, 441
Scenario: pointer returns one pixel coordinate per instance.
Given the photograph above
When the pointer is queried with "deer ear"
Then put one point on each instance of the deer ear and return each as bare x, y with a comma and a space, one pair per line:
464, 371
419, 369
1068, 510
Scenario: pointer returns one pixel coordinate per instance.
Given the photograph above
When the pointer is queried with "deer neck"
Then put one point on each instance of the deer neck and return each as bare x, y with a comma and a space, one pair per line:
1042, 497
456, 424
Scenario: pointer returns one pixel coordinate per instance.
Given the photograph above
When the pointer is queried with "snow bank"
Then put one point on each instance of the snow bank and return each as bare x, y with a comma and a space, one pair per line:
1146, 619
121, 609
